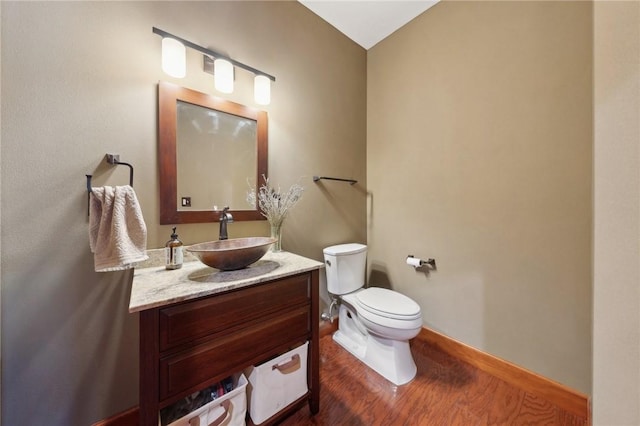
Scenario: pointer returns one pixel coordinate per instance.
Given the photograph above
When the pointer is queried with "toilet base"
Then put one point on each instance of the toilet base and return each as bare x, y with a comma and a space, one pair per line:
391, 359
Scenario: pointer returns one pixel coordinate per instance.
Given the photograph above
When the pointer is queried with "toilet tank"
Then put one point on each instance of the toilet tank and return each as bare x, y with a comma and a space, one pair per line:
345, 267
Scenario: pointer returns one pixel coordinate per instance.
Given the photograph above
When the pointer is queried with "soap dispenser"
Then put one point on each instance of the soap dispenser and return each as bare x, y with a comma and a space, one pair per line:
173, 252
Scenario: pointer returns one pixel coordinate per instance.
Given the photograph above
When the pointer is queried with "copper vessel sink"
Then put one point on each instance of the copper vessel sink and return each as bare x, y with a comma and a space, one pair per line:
229, 255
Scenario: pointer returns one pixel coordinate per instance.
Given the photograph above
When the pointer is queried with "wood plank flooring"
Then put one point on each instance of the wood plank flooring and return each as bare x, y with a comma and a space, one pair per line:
445, 392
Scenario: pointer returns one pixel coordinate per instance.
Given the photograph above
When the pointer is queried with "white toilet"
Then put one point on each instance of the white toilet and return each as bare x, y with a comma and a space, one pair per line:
375, 324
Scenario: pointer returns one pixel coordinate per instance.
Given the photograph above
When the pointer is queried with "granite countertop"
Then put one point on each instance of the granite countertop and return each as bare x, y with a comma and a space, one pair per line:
156, 286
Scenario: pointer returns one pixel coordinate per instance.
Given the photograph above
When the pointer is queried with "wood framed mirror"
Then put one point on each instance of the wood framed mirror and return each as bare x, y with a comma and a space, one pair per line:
210, 151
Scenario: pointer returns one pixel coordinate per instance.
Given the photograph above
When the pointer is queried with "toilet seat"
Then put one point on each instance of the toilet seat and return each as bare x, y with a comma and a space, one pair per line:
388, 303
379, 318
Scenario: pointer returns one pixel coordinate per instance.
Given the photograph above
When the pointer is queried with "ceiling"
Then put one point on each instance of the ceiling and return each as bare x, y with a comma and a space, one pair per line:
368, 22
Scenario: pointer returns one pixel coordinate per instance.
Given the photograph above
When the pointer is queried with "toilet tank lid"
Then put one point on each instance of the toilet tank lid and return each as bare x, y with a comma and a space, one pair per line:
343, 249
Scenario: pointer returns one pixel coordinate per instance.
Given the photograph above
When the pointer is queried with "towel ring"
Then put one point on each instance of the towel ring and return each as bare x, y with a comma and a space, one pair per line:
113, 159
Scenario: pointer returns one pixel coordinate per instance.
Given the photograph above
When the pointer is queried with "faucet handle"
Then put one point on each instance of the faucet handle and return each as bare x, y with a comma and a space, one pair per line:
225, 215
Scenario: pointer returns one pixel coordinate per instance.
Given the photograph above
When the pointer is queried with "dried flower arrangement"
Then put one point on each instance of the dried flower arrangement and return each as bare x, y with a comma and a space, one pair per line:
274, 205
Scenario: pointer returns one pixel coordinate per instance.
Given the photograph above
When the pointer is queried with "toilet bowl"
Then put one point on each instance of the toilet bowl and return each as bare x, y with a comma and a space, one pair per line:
375, 324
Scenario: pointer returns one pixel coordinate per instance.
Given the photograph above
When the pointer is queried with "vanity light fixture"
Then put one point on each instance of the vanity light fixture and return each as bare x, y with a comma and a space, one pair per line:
174, 64
223, 75
262, 89
174, 57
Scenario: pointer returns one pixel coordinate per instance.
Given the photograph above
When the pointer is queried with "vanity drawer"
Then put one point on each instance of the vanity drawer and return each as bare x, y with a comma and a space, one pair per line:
197, 319
233, 352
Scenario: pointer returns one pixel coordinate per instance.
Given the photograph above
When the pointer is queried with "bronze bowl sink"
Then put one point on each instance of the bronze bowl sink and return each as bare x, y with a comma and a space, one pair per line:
229, 255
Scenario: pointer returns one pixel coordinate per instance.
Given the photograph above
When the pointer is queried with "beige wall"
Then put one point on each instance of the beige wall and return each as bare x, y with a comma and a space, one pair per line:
79, 79
479, 154
616, 265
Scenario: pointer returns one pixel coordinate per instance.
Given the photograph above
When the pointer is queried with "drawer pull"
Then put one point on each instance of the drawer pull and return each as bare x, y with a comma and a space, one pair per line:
289, 366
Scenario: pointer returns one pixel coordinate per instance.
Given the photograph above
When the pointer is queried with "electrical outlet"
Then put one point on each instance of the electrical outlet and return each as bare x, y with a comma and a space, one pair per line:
186, 201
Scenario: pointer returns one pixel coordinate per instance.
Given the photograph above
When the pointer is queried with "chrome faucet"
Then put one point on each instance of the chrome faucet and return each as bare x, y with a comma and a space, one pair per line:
225, 217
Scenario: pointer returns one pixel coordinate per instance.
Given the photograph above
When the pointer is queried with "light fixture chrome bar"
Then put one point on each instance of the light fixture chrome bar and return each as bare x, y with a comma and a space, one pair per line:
212, 53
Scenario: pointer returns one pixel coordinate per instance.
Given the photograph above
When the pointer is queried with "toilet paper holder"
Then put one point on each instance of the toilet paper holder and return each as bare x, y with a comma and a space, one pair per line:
419, 263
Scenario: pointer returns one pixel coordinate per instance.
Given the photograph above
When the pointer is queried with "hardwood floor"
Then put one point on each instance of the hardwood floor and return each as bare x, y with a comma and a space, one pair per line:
445, 392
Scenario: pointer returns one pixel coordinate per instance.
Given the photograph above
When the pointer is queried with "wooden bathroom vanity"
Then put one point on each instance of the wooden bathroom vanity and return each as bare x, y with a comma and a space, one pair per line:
199, 325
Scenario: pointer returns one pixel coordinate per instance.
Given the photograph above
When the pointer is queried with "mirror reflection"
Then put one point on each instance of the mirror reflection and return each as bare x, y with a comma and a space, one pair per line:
214, 146
210, 151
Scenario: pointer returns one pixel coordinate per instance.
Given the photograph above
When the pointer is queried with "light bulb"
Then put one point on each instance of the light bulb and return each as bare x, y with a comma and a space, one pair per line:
262, 90
174, 60
223, 75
